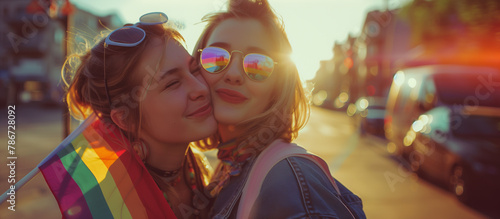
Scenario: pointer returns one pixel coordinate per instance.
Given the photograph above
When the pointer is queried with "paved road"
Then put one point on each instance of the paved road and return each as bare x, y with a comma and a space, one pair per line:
365, 167
362, 164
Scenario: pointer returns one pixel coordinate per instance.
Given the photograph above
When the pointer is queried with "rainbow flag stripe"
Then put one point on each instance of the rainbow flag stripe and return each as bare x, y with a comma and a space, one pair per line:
92, 174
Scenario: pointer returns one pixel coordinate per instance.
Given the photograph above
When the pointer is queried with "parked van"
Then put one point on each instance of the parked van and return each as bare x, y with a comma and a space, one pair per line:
417, 90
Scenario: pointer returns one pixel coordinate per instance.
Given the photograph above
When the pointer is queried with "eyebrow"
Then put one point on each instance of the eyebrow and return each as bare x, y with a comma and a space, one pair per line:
174, 70
254, 49
169, 72
221, 45
251, 49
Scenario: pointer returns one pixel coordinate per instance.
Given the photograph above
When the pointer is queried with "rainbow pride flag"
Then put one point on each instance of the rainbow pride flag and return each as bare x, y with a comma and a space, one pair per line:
92, 174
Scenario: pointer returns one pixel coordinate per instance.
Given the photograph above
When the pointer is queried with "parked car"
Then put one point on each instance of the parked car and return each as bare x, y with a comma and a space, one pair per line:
368, 114
417, 90
459, 147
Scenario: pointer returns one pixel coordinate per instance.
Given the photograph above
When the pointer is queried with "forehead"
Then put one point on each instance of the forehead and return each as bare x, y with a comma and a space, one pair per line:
169, 48
241, 34
167, 55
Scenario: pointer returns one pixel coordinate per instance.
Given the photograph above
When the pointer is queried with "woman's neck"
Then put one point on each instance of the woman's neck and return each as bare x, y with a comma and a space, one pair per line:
166, 157
228, 132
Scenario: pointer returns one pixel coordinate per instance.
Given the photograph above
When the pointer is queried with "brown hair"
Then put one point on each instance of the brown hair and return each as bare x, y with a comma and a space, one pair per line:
288, 111
87, 94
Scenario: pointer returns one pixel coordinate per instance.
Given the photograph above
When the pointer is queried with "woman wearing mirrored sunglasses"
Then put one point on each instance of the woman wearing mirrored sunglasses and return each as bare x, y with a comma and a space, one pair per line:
260, 105
141, 79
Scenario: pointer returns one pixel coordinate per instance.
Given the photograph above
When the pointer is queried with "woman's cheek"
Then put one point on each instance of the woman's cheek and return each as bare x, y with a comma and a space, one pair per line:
210, 79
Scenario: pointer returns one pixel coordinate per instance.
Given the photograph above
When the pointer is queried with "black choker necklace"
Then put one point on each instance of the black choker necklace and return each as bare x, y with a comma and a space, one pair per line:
163, 173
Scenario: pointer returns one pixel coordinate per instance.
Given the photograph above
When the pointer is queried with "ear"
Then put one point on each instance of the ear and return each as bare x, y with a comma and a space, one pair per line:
118, 117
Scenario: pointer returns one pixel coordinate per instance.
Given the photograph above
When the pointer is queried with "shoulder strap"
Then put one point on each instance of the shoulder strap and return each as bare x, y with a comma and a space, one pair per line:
274, 153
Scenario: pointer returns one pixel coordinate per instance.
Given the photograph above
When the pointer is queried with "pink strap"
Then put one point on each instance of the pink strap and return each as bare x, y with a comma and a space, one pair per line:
274, 153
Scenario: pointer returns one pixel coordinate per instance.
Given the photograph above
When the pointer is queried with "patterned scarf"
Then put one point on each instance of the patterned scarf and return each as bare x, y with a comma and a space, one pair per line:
232, 160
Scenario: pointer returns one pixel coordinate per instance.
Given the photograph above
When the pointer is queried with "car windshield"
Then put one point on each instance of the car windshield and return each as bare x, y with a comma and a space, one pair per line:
477, 126
468, 89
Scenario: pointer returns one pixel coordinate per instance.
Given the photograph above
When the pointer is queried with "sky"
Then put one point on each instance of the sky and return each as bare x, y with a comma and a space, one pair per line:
312, 25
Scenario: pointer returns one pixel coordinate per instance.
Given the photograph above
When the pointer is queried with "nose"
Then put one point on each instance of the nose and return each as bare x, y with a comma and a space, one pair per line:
234, 72
198, 88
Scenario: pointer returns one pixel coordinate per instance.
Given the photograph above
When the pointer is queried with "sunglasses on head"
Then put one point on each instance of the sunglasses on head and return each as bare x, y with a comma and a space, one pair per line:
257, 67
130, 36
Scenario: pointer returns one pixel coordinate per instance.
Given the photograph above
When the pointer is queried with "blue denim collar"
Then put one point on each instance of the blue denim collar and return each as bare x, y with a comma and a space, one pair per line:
229, 196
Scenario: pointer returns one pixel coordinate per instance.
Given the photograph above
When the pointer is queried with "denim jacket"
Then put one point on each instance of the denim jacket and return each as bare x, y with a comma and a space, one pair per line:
294, 188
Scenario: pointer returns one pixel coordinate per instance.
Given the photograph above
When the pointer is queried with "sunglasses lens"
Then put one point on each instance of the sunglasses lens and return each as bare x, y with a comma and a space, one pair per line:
127, 35
214, 59
258, 67
154, 18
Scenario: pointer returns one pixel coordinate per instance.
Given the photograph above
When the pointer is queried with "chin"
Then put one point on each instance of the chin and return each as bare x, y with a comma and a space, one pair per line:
227, 115
208, 128
228, 118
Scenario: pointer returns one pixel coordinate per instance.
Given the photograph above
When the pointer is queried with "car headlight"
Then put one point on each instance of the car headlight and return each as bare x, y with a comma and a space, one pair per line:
363, 104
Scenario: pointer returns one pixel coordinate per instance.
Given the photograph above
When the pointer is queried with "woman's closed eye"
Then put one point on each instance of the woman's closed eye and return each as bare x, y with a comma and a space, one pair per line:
171, 78
172, 83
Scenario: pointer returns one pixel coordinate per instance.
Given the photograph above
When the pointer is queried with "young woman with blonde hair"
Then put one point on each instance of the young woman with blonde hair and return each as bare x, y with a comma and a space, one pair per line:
260, 106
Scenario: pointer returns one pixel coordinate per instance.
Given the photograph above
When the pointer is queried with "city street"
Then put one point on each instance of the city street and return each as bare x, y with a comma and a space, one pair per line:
363, 165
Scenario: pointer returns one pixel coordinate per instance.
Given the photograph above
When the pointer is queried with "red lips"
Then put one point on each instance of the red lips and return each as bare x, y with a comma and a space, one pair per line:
231, 96
202, 111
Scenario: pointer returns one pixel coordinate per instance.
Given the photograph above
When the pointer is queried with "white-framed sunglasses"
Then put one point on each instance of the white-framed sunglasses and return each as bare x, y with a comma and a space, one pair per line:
130, 36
